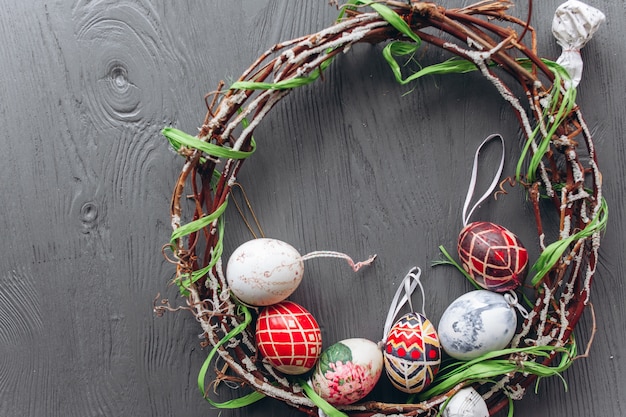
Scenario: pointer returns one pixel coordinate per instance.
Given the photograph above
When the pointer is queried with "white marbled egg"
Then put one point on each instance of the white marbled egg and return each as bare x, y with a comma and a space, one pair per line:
478, 322
264, 271
466, 403
347, 371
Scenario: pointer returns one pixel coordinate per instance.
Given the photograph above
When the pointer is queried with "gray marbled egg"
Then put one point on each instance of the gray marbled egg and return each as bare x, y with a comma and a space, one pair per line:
476, 323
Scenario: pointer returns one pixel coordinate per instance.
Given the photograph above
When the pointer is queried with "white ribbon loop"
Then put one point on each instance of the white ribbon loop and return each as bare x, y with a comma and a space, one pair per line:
472, 184
511, 299
573, 26
405, 290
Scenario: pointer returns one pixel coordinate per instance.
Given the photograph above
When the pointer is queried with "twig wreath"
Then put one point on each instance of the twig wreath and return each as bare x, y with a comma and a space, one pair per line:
557, 167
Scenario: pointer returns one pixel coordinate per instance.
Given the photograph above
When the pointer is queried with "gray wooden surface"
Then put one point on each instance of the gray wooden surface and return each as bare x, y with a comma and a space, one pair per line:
351, 164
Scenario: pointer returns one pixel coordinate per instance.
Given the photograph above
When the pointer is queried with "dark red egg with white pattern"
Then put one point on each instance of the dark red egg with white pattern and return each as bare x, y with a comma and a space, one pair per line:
288, 337
412, 353
493, 256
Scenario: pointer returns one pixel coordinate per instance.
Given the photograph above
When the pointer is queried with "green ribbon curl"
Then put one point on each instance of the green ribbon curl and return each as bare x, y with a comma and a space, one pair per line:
238, 402
178, 138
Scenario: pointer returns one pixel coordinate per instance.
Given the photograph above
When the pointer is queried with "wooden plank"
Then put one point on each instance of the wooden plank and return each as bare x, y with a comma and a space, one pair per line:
355, 163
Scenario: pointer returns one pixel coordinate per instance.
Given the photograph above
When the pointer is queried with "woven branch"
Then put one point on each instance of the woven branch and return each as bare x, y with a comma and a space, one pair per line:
566, 172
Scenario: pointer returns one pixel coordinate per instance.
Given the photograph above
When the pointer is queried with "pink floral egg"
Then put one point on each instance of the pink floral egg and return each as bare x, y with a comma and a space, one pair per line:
493, 256
412, 353
347, 371
288, 337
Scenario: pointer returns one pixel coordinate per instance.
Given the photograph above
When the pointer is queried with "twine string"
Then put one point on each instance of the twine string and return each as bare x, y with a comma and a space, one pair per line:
250, 209
472, 184
332, 254
403, 296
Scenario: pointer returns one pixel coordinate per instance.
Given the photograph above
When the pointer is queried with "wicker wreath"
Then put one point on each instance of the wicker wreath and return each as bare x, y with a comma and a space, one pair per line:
562, 176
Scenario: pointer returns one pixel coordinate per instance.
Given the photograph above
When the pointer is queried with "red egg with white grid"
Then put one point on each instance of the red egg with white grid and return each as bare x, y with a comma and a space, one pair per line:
288, 337
493, 256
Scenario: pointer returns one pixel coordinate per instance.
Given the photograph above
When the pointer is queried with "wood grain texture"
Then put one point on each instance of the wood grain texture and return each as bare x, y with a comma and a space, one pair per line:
354, 163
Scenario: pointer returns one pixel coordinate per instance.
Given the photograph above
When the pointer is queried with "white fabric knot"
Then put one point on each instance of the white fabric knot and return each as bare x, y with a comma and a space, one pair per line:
573, 26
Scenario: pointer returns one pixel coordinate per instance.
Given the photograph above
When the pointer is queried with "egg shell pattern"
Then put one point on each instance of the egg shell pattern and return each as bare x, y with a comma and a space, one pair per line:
493, 256
288, 336
264, 271
477, 322
412, 353
347, 371
466, 403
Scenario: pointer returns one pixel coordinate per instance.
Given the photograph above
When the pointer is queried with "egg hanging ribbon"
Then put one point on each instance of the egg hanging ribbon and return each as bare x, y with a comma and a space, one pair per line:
405, 290
472, 184
411, 348
490, 254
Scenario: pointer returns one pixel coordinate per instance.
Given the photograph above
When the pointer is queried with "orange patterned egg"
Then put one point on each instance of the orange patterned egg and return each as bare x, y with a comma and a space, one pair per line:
412, 353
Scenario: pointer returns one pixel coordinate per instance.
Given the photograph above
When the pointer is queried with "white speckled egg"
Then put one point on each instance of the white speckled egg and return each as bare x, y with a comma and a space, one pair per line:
478, 322
466, 403
264, 271
347, 371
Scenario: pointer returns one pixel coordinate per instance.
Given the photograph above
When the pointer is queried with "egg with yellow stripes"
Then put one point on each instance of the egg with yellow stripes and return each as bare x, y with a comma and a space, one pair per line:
412, 353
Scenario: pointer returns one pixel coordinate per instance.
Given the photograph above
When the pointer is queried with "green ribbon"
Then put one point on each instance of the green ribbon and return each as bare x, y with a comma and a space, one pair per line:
553, 117
553, 252
238, 402
321, 403
178, 138
491, 365
198, 224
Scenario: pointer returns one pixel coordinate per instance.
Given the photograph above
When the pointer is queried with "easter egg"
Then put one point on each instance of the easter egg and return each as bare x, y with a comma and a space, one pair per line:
477, 322
493, 256
412, 353
288, 337
347, 371
466, 403
264, 271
